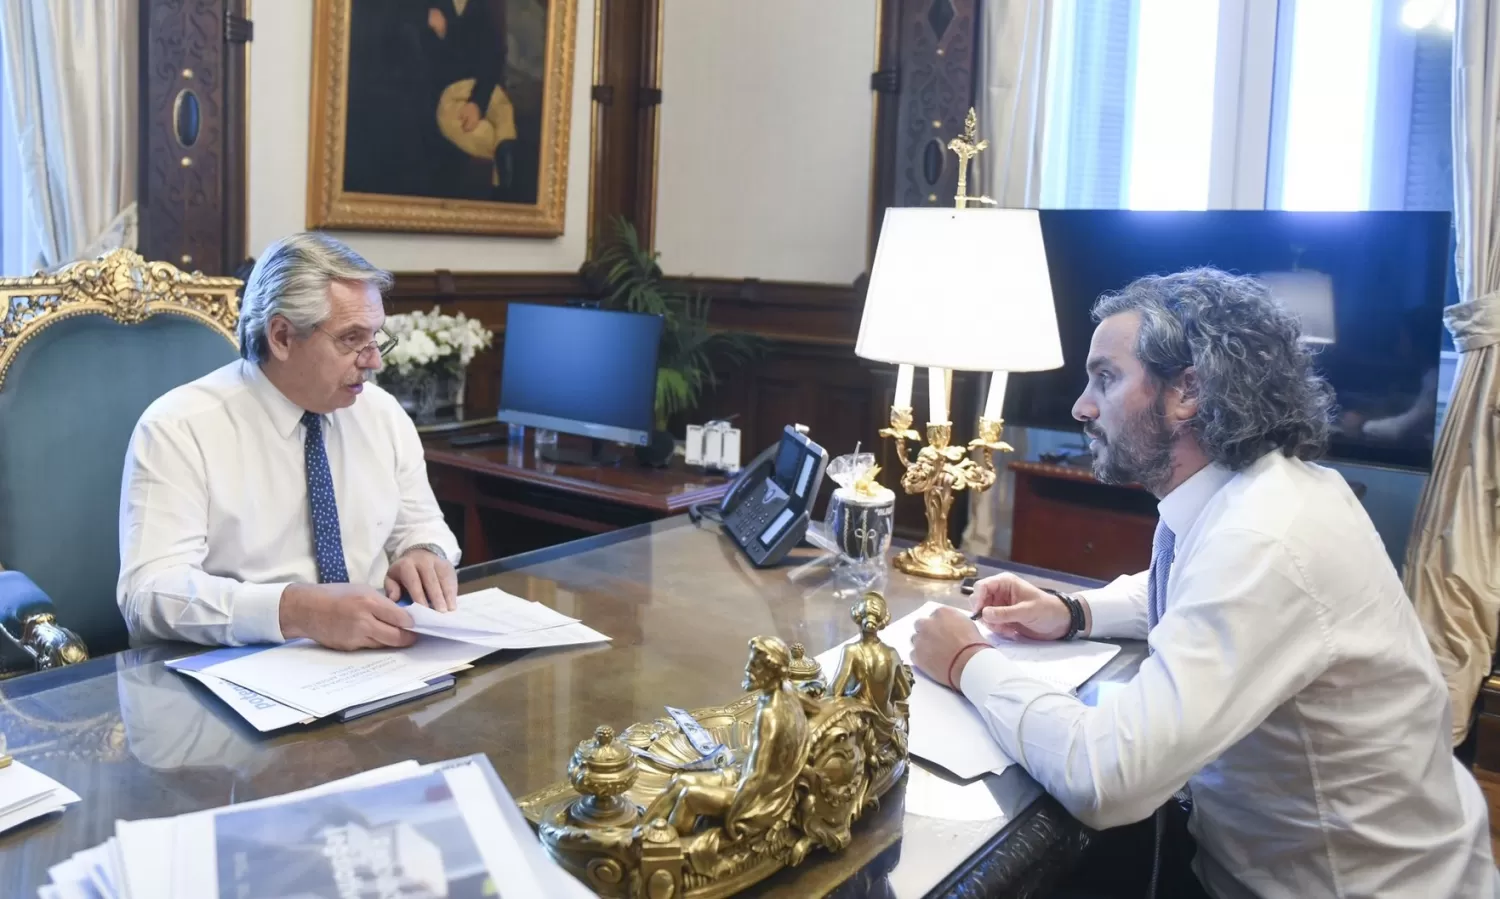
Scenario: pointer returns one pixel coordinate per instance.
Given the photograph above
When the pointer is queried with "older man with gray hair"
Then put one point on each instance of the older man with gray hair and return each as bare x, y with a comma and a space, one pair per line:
285, 495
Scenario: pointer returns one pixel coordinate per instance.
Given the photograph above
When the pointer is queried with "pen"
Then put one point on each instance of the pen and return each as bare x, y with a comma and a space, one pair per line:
967, 589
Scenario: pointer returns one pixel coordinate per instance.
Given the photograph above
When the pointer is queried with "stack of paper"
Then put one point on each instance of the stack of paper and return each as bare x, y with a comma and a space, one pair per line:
499, 620
945, 728
449, 829
26, 793
277, 686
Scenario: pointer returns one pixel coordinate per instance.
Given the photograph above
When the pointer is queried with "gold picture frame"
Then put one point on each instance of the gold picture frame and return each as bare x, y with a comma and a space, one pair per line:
538, 128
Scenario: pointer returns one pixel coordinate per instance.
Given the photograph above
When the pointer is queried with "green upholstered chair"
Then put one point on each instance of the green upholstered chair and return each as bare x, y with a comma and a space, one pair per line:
82, 353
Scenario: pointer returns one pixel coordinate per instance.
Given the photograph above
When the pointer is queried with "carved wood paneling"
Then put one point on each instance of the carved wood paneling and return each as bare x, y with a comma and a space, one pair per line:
627, 97
191, 197
924, 88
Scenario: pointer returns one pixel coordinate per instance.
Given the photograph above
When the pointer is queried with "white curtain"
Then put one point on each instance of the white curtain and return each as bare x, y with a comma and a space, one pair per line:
71, 78
1012, 78
1451, 561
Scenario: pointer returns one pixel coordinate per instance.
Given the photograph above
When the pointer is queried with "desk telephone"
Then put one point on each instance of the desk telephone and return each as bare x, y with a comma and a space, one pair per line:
767, 510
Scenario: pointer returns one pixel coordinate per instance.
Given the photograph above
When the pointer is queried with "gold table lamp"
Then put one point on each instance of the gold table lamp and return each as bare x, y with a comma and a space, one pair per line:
956, 290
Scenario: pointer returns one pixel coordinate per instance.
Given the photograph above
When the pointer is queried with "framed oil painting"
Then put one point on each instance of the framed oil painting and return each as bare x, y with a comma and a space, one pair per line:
441, 115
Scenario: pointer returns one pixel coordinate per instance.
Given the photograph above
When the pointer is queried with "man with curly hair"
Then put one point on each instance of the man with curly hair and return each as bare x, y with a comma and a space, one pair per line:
1289, 687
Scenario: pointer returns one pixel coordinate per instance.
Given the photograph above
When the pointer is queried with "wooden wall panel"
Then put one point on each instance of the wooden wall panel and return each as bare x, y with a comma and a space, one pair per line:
924, 88
192, 197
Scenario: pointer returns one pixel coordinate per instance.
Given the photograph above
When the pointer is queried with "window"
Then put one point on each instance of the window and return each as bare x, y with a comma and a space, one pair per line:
1296, 104
1362, 115
1131, 111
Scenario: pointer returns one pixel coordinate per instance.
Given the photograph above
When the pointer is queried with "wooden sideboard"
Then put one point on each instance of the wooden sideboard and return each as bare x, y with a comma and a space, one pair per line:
1066, 520
501, 499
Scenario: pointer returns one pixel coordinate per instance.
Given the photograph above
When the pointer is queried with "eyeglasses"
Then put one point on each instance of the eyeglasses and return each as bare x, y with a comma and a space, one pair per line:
382, 343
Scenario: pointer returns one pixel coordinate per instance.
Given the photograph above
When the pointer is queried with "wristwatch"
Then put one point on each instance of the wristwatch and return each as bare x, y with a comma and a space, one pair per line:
1075, 612
432, 548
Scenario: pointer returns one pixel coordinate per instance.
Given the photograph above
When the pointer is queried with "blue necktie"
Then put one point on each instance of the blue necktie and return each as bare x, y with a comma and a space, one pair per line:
328, 542
1163, 549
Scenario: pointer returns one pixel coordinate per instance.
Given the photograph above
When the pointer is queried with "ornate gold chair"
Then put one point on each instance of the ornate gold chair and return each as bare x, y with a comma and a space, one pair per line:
83, 352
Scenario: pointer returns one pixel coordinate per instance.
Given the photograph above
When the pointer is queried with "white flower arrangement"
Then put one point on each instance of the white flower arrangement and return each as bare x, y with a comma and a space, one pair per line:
434, 342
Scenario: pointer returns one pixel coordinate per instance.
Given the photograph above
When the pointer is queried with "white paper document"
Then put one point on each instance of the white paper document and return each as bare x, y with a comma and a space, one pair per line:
946, 729
486, 612
261, 712
447, 829
273, 687
27, 794
321, 681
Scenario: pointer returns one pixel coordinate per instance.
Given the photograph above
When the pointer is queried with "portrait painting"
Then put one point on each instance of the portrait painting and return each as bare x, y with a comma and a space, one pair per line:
441, 115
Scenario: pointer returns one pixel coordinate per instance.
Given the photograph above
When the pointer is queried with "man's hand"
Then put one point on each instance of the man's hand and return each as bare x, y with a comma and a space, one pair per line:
468, 116
1013, 607
437, 22
344, 616
944, 642
429, 579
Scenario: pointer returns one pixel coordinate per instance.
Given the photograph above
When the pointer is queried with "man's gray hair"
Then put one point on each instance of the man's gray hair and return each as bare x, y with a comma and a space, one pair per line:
291, 279
1256, 387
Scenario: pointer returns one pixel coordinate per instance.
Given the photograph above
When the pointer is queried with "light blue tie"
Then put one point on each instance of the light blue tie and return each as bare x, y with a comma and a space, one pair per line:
328, 541
1163, 550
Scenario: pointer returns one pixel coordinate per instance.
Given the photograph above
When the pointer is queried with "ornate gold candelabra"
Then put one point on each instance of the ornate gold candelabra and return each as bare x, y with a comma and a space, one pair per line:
940, 469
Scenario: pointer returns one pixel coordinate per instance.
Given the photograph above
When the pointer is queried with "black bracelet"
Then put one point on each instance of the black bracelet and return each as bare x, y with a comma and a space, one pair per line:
1075, 613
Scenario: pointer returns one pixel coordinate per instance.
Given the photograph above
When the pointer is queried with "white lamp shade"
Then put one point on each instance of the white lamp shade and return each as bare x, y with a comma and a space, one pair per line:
966, 289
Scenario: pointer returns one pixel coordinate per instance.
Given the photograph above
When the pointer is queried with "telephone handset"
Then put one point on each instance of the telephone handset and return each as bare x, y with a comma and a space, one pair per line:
767, 510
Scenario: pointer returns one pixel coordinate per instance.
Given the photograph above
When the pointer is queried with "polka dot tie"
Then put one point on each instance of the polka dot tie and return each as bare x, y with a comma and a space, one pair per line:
328, 542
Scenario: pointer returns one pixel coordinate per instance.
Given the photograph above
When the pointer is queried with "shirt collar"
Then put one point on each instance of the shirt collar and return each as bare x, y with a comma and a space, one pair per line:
285, 414
1181, 508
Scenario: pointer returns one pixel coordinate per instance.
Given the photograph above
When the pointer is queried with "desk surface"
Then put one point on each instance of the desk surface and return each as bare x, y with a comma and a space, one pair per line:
664, 490
136, 740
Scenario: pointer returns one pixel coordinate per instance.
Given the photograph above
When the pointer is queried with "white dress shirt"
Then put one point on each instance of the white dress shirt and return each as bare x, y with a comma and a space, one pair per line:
1289, 686
214, 517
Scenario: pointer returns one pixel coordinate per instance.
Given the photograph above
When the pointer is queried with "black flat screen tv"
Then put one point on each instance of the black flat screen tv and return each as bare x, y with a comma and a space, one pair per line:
1369, 287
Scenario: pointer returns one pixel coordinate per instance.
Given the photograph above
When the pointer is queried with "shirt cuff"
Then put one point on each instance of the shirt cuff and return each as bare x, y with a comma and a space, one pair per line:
1114, 615
986, 669
257, 614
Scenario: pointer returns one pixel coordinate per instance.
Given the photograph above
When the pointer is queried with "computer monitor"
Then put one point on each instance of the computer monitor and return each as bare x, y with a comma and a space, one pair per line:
584, 371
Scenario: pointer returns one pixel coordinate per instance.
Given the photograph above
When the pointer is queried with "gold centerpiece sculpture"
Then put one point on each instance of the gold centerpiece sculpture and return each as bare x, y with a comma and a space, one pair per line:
648, 814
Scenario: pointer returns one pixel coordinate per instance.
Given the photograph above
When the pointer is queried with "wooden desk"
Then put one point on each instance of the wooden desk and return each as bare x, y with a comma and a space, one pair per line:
501, 500
136, 740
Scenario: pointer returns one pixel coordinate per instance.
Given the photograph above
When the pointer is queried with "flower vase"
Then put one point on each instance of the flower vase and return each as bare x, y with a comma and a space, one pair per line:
451, 397
417, 393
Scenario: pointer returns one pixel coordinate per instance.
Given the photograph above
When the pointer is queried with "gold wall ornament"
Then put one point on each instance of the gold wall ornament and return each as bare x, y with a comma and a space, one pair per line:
643, 816
120, 285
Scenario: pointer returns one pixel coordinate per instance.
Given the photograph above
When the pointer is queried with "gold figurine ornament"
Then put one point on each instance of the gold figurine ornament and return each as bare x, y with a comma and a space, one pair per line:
941, 470
645, 816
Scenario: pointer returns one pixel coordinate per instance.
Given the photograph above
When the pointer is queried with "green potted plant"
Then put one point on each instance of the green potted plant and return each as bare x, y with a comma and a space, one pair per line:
630, 279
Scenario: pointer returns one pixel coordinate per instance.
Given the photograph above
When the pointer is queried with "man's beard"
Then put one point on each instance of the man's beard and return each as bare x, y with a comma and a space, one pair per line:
1141, 453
